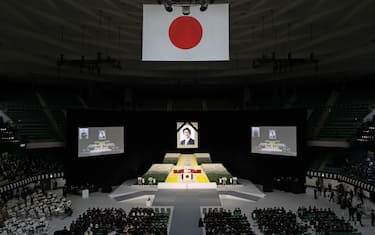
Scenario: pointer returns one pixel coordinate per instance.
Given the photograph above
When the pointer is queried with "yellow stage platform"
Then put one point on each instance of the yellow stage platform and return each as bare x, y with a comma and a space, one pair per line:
187, 161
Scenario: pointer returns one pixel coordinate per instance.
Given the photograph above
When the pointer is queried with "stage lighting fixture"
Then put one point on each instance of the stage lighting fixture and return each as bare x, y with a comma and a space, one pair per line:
204, 5
168, 5
186, 10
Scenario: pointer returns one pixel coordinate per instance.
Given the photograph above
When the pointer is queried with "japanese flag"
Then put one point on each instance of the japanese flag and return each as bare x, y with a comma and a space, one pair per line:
172, 36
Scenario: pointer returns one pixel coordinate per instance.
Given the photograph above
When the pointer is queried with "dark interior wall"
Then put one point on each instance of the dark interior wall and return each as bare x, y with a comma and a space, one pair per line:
149, 135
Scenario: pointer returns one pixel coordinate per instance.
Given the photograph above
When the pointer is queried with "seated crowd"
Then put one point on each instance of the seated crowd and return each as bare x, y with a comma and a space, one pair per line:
140, 221
95, 221
7, 133
364, 170
146, 221
14, 167
307, 220
224, 221
28, 210
323, 221
277, 221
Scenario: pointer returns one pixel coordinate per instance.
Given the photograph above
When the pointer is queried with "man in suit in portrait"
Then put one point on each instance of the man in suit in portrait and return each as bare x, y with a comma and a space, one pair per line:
187, 140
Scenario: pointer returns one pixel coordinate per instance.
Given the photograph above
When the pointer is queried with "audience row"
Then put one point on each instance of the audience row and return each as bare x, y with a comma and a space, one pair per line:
308, 219
29, 212
324, 221
222, 221
363, 170
107, 220
277, 221
15, 167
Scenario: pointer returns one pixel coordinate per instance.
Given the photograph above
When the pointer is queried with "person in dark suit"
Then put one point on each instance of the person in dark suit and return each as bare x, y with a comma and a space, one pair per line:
187, 140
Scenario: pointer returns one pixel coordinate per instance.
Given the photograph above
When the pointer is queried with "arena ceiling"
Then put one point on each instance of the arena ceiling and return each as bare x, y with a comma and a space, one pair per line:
339, 34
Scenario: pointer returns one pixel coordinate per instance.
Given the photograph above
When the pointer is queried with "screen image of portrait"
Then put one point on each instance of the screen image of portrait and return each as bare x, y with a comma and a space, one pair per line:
274, 140
96, 141
187, 135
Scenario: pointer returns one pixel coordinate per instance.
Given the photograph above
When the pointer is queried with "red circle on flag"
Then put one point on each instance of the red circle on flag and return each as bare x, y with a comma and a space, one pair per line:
187, 176
185, 32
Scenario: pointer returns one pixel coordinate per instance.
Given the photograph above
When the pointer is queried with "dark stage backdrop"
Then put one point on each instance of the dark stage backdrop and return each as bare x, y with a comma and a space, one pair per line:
149, 135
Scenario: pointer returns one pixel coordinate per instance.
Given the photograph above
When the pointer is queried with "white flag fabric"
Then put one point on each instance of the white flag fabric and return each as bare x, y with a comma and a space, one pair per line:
172, 36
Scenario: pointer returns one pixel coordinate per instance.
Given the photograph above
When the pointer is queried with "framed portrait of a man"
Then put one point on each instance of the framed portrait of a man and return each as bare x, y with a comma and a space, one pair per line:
187, 135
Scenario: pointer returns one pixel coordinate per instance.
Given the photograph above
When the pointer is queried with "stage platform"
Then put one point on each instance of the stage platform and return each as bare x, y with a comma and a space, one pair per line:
187, 186
186, 174
245, 191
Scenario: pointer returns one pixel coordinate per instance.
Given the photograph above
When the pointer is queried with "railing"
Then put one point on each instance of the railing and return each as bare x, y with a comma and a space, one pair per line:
369, 186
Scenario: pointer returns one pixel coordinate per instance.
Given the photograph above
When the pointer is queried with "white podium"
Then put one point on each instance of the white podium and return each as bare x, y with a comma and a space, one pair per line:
85, 193
148, 202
